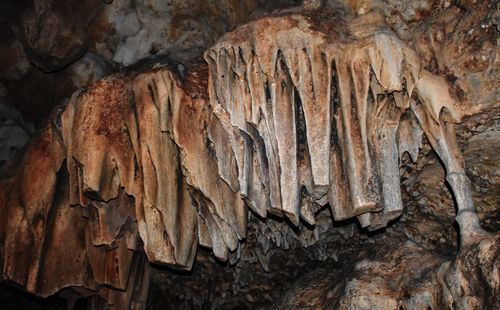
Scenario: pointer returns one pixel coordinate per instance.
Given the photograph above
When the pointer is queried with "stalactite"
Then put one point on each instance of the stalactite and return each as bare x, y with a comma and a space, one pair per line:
366, 82
151, 165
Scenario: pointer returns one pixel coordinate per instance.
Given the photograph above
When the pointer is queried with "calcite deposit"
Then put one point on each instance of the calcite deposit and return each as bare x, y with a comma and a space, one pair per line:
296, 112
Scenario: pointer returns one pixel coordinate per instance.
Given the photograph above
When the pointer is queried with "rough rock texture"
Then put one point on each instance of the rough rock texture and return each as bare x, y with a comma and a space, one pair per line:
416, 266
54, 32
181, 28
33, 92
406, 277
49, 35
301, 112
425, 230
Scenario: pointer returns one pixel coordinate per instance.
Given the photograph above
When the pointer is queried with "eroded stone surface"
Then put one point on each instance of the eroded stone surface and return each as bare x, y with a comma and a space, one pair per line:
295, 111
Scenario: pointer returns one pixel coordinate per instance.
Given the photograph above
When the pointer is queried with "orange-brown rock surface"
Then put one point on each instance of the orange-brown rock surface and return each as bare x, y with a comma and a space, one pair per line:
296, 111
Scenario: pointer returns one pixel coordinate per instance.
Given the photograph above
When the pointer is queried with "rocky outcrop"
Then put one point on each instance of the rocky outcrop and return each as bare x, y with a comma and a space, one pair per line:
405, 277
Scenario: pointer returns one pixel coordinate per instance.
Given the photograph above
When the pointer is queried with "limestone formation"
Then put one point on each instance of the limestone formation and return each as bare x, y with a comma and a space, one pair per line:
288, 114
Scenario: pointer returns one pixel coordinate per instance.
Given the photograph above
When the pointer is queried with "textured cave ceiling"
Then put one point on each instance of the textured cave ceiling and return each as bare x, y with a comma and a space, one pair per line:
249, 154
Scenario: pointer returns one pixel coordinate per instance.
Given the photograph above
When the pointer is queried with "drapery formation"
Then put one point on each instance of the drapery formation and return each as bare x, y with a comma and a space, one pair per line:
326, 113
291, 115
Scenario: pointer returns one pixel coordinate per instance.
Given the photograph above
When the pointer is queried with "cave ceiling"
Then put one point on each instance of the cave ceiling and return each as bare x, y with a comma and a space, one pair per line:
311, 154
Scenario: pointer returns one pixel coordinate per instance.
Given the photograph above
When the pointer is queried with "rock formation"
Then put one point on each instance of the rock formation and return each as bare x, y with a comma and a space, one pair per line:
293, 112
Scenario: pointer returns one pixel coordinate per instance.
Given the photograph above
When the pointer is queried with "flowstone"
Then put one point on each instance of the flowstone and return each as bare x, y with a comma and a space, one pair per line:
289, 114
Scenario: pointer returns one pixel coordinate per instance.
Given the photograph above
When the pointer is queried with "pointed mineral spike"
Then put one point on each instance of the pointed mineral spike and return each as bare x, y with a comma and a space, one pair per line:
257, 87
266, 130
292, 62
203, 233
228, 234
409, 136
354, 156
306, 213
223, 88
338, 193
284, 122
258, 192
384, 149
313, 89
360, 70
225, 157
442, 138
218, 245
